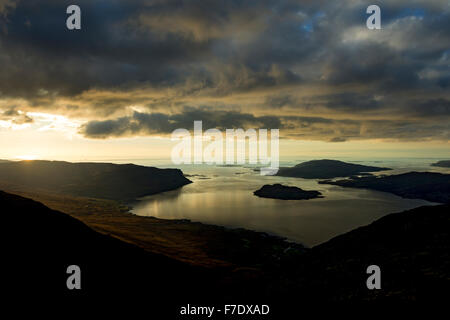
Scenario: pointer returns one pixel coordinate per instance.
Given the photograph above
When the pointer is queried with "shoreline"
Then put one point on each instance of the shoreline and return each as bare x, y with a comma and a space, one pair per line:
196, 243
129, 205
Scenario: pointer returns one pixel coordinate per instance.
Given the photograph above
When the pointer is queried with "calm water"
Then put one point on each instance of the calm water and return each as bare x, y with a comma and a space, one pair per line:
224, 196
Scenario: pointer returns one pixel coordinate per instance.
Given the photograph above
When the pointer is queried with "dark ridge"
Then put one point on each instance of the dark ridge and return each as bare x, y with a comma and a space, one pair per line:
97, 180
42, 243
326, 169
278, 191
430, 186
442, 164
410, 247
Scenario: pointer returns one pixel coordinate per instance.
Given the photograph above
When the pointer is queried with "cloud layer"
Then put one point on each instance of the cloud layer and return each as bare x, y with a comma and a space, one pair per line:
309, 68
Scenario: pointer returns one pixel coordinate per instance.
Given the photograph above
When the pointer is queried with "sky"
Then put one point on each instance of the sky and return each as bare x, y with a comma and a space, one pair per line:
139, 69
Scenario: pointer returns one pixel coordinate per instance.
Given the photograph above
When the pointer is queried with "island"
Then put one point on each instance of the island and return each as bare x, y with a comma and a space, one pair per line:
430, 186
123, 182
278, 191
326, 169
442, 164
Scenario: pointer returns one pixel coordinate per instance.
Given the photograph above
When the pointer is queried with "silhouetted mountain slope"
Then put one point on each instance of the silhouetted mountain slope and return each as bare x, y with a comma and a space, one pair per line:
326, 169
442, 163
429, 186
41, 243
411, 248
97, 180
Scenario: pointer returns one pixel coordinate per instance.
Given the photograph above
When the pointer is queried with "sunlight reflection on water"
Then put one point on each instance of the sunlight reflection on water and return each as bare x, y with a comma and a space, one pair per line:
224, 196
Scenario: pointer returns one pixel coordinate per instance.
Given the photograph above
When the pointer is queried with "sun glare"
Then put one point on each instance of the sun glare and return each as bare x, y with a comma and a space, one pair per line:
27, 157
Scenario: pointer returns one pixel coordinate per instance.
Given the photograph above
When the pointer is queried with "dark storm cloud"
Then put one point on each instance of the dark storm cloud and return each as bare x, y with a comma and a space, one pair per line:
11, 112
159, 123
16, 117
297, 127
281, 100
126, 43
107, 52
337, 139
254, 62
432, 108
346, 101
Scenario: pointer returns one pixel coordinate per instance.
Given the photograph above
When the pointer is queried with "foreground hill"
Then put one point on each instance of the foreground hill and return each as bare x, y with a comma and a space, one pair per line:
410, 247
45, 242
40, 243
326, 169
430, 186
96, 180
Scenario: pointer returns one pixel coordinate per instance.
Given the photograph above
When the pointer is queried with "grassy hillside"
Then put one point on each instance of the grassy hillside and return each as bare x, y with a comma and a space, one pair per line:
45, 242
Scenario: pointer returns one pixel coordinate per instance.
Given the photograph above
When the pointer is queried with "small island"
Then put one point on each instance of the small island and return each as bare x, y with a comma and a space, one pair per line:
442, 164
278, 191
327, 169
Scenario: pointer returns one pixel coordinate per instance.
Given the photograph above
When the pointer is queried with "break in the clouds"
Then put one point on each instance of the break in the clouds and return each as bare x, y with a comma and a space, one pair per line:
310, 68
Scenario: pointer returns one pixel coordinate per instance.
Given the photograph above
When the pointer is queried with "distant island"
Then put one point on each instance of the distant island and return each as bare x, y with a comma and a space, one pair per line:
278, 191
430, 186
326, 169
121, 182
442, 164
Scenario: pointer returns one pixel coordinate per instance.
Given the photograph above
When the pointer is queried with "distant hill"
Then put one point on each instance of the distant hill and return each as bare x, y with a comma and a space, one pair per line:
326, 169
4, 161
97, 180
429, 186
442, 163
